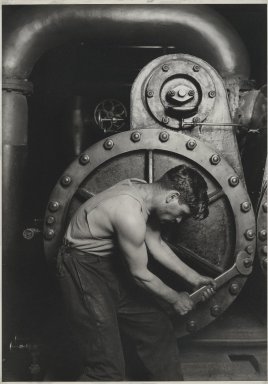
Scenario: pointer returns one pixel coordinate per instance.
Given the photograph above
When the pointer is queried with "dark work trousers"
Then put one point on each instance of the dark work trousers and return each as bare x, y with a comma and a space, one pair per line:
101, 306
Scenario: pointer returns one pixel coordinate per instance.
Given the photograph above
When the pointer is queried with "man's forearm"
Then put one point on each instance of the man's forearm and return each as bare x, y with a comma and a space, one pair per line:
170, 260
152, 283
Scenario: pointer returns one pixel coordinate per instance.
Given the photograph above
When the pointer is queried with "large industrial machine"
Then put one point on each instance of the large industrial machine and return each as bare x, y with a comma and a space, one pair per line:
94, 94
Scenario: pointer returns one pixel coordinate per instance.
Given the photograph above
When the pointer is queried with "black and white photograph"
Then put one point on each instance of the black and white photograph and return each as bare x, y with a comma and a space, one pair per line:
134, 191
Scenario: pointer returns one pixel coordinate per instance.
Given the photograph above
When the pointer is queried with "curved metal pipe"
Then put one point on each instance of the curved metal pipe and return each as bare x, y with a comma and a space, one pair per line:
196, 30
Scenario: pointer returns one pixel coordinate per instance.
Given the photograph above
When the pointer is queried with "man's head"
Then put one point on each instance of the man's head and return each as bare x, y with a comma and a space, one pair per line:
183, 194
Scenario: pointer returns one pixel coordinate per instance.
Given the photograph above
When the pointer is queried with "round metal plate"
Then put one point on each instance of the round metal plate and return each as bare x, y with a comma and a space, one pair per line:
129, 158
183, 72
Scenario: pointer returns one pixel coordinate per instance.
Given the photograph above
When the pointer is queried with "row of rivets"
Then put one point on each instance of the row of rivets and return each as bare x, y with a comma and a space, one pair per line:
108, 144
245, 206
135, 137
191, 144
50, 220
84, 159
249, 249
263, 235
149, 93
53, 206
196, 68
233, 181
164, 136
264, 250
215, 159
249, 234
66, 180
49, 234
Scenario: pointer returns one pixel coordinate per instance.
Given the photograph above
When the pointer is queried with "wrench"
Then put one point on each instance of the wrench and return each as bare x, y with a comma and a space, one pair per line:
242, 266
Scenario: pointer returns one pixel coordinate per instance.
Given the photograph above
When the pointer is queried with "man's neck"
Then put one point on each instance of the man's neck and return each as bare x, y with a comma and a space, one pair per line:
147, 193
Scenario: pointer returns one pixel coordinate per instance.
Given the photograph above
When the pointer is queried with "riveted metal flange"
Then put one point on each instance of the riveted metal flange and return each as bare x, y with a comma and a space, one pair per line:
176, 146
66, 180
245, 206
163, 136
50, 220
108, 144
53, 206
49, 234
250, 234
84, 159
135, 136
191, 144
249, 249
262, 235
215, 159
234, 181
180, 91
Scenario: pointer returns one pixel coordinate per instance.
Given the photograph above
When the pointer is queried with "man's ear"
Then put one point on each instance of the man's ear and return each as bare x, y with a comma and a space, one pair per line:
172, 195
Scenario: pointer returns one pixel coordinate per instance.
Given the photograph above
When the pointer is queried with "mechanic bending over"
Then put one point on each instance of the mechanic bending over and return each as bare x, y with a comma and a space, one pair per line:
106, 284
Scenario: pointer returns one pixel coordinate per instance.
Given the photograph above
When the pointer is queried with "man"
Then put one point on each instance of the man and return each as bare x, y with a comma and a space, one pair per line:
109, 290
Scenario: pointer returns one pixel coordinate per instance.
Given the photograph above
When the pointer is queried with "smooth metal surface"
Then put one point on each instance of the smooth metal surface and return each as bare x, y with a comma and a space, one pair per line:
35, 29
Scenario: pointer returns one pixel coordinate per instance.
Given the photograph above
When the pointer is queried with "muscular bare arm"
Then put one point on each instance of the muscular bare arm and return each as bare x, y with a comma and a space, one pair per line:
131, 229
164, 254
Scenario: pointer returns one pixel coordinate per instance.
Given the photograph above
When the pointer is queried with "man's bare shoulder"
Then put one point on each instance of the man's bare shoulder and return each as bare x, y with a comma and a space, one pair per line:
127, 215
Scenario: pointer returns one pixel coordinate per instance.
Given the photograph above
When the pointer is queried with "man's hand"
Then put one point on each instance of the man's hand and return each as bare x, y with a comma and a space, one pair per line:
183, 304
201, 281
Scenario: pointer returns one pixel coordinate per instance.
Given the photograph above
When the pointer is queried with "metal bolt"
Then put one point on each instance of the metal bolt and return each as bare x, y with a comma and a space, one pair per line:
49, 234
264, 250
164, 136
50, 220
165, 120
191, 326
215, 159
65, 181
108, 144
264, 207
215, 310
196, 120
135, 137
191, 144
150, 93
249, 234
171, 93
181, 92
249, 249
234, 289
248, 262
211, 94
53, 206
245, 206
196, 68
264, 262
263, 234
233, 181
191, 92
165, 68
84, 159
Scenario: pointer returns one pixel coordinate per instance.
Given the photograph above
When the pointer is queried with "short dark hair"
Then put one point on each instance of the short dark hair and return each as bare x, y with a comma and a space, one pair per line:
191, 186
